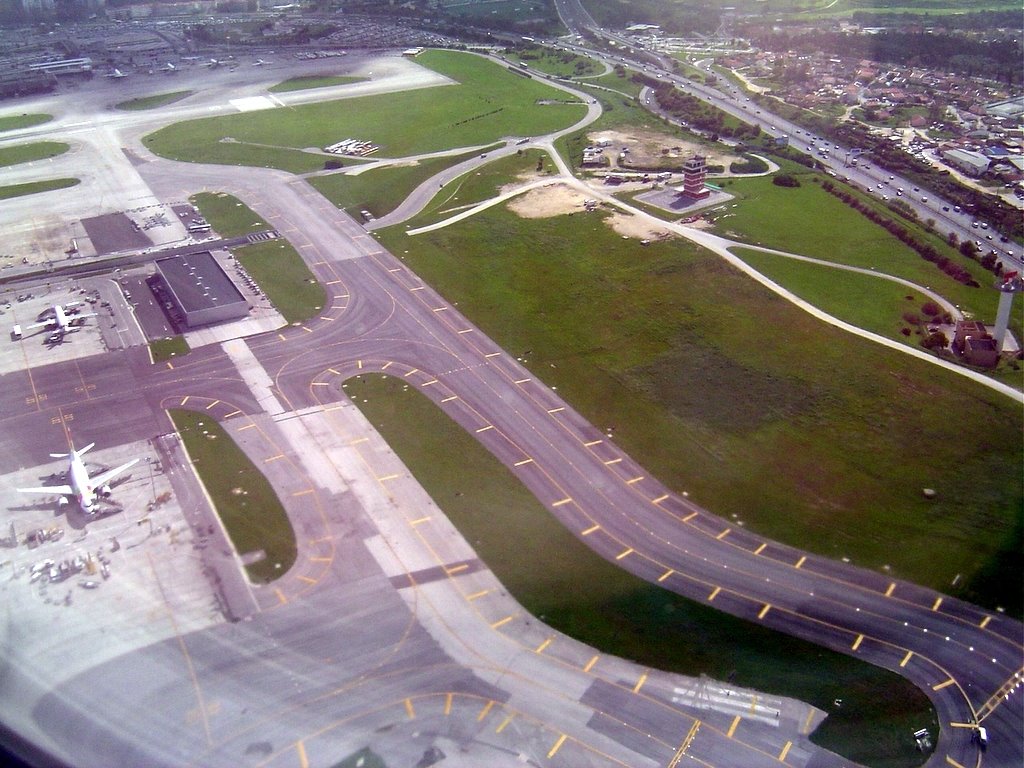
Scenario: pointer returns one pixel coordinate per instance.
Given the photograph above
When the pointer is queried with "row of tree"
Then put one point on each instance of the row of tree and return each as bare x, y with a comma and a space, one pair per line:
926, 251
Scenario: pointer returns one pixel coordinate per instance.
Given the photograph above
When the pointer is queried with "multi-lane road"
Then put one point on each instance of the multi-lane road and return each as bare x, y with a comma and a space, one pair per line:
305, 674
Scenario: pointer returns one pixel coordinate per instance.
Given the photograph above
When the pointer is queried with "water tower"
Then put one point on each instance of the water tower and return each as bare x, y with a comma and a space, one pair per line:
1007, 285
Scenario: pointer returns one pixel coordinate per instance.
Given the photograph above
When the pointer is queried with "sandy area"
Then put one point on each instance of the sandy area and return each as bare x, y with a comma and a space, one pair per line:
646, 148
560, 199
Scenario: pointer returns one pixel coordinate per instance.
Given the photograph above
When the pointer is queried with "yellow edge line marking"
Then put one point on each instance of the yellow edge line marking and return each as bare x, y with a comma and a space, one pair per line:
723, 534
665, 575
558, 745
612, 461
388, 477
419, 520
807, 723
732, 728
306, 579
524, 461
857, 642
760, 549
409, 710
504, 723
448, 705
801, 561
764, 611
635, 480
449, 399
938, 602
593, 443
562, 502
301, 749
540, 648
962, 725
713, 595
502, 622
492, 354
890, 589
484, 429
590, 664
456, 569
247, 426
485, 710
640, 683
940, 686
624, 553
785, 751
280, 596
985, 621
476, 595
907, 658
591, 529
556, 410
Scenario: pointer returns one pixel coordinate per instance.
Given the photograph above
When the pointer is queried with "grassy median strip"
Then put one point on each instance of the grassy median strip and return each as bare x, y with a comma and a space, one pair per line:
26, 153
16, 122
247, 505
305, 82
168, 349
274, 264
571, 588
763, 414
154, 101
34, 187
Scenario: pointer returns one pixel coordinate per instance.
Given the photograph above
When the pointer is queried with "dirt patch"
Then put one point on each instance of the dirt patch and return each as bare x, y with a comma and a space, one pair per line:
649, 149
628, 225
540, 203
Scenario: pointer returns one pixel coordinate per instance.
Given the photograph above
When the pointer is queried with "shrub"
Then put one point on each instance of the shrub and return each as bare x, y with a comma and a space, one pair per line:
931, 309
785, 180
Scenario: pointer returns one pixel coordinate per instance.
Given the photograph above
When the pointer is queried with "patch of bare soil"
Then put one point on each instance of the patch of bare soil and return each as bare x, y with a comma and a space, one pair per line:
648, 149
540, 203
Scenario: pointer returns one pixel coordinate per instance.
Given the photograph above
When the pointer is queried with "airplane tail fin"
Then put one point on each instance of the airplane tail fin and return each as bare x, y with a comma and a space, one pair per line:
80, 452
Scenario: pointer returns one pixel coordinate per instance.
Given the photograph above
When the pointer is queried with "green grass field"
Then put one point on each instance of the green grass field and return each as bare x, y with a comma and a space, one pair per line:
247, 505
26, 153
305, 82
598, 603
274, 264
154, 101
488, 104
15, 122
34, 187
167, 349
710, 380
380, 190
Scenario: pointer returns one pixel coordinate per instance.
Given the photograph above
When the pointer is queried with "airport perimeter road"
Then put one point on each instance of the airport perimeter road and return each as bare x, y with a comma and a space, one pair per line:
968, 661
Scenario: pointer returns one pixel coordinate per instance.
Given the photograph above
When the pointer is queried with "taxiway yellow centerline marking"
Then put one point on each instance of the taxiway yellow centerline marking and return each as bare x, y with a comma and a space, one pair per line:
857, 642
504, 724
591, 529
713, 595
963, 725
590, 664
562, 502
890, 589
485, 710
477, 595
301, 749
540, 648
449, 399
801, 561
938, 602
640, 683
592, 443
448, 705
907, 658
624, 553
524, 461
409, 710
807, 723
785, 751
985, 621
558, 745
732, 728
946, 684
419, 520
764, 611
502, 622
723, 534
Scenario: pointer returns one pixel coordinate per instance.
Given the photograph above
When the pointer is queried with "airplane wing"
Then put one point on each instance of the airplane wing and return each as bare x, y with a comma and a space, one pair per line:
109, 475
50, 489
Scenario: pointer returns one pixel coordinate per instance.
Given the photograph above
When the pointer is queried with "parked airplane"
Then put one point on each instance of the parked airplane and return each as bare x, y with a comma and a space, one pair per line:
169, 68
212, 63
259, 63
61, 320
117, 74
86, 490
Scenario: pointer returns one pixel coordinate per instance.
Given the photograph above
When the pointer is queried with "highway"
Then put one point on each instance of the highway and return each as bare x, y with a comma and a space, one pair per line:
441, 647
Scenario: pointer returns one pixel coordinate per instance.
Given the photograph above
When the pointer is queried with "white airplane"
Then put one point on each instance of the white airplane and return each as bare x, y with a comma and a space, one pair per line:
61, 321
212, 63
259, 63
169, 68
85, 490
117, 74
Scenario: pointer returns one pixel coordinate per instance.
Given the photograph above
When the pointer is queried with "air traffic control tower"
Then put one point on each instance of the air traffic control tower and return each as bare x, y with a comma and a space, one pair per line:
1007, 285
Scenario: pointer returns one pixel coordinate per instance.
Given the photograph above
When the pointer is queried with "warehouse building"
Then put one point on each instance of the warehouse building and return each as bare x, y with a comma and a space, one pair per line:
200, 289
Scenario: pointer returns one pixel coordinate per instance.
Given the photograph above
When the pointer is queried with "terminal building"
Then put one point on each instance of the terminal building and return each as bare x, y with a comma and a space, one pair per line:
200, 289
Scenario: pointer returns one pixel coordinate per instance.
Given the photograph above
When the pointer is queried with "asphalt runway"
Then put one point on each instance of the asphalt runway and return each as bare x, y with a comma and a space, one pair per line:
349, 650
